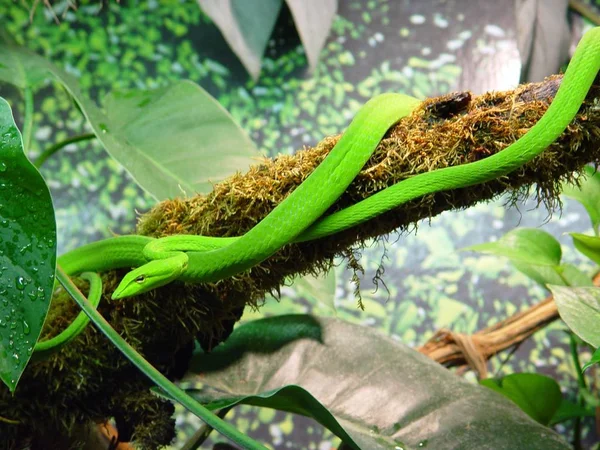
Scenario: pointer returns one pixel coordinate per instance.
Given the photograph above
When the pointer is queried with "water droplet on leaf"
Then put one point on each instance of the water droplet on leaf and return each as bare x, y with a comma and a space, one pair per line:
20, 283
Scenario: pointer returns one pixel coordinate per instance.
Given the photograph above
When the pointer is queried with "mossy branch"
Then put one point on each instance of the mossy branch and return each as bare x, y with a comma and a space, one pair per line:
444, 131
89, 381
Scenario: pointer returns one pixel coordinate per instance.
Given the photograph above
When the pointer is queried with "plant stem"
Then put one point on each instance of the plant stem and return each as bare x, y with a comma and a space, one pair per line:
56, 147
147, 369
28, 119
202, 433
582, 385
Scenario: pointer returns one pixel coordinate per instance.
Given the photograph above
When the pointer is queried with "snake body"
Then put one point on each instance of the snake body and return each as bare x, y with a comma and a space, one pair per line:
199, 259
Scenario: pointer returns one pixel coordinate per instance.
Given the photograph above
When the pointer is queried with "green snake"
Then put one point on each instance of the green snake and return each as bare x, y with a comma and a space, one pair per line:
201, 259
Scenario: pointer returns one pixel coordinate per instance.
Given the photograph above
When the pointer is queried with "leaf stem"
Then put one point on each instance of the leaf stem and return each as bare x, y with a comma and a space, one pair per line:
582, 386
56, 147
147, 369
203, 432
28, 119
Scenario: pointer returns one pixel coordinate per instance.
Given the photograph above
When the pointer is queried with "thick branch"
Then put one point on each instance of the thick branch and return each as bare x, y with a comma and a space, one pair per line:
442, 132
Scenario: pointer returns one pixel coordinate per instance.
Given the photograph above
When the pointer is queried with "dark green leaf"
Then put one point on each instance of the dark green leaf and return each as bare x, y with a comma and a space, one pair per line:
526, 246
587, 245
139, 126
539, 396
313, 25
246, 26
569, 410
579, 307
27, 251
382, 394
588, 194
595, 360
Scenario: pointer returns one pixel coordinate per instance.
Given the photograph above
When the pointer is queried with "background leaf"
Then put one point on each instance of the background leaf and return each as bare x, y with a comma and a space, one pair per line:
569, 410
543, 37
579, 307
320, 289
384, 394
182, 134
138, 131
524, 245
313, 19
588, 194
587, 245
538, 395
27, 251
595, 360
246, 25
563, 275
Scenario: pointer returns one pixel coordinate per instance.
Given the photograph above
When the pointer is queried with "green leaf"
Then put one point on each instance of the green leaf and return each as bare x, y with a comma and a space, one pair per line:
524, 245
380, 394
579, 307
563, 275
588, 194
176, 138
574, 277
538, 395
320, 289
595, 360
23, 72
246, 26
587, 245
570, 410
542, 275
313, 25
173, 139
27, 251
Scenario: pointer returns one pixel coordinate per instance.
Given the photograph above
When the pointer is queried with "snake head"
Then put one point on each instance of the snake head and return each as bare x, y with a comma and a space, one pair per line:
150, 276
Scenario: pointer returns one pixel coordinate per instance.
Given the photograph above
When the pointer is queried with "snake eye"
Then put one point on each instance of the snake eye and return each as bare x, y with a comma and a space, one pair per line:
140, 279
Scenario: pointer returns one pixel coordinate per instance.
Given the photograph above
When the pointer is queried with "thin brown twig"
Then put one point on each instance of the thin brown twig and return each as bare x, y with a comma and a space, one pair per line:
447, 348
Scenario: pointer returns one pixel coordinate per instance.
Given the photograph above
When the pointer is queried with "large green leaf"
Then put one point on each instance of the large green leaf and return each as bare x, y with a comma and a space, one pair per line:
538, 395
182, 134
526, 246
579, 307
27, 251
588, 194
167, 138
380, 394
246, 25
